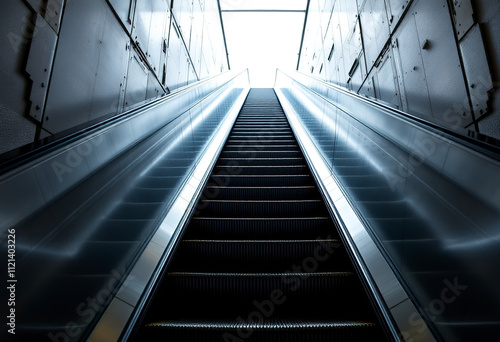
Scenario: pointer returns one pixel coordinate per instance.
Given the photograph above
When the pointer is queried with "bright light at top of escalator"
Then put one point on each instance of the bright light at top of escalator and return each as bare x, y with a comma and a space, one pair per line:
263, 36
263, 4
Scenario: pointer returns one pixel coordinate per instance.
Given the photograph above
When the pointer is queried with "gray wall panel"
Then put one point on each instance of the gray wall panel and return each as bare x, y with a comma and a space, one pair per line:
90, 67
411, 69
442, 65
125, 10
137, 81
75, 66
142, 23
111, 70
16, 129
433, 49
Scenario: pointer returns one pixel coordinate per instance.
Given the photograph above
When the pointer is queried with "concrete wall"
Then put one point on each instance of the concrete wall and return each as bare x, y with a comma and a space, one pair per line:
69, 63
437, 59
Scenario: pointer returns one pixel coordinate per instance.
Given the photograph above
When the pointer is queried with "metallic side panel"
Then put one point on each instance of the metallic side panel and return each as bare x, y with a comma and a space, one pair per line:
142, 23
195, 44
39, 65
463, 16
411, 73
443, 71
137, 81
59, 171
16, 129
153, 89
138, 278
159, 21
375, 29
412, 327
372, 263
395, 10
111, 70
172, 224
386, 85
124, 11
438, 221
478, 172
182, 11
116, 316
75, 65
17, 206
477, 70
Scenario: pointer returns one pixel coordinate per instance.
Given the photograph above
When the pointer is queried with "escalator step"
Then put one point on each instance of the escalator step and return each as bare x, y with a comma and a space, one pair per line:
262, 170
262, 193
259, 255
263, 180
258, 284
261, 161
266, 330
262, 208
260, 153
262, 228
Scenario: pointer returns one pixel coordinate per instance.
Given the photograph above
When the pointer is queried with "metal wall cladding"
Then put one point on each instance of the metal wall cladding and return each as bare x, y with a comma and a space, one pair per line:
477, 70
160, 20
15, 128
173, 57
386, 80
375, 27
395, 11
363, 50
142, 22
137, 81
183, 11
111, 70
418, 191
76, 63
411, 75
125, 11
442, 64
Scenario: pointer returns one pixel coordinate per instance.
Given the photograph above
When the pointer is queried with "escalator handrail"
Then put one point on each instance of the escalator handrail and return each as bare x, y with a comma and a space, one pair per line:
476, 141
24, 154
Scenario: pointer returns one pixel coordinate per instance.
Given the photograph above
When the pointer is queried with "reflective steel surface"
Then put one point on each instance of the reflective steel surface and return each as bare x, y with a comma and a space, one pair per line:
89, 247
430, 201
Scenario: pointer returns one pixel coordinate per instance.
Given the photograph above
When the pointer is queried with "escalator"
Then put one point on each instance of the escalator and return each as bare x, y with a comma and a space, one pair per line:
261, 258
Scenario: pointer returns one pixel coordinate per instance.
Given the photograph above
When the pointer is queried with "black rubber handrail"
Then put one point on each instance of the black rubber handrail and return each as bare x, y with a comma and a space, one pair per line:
478, 142
24, 154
